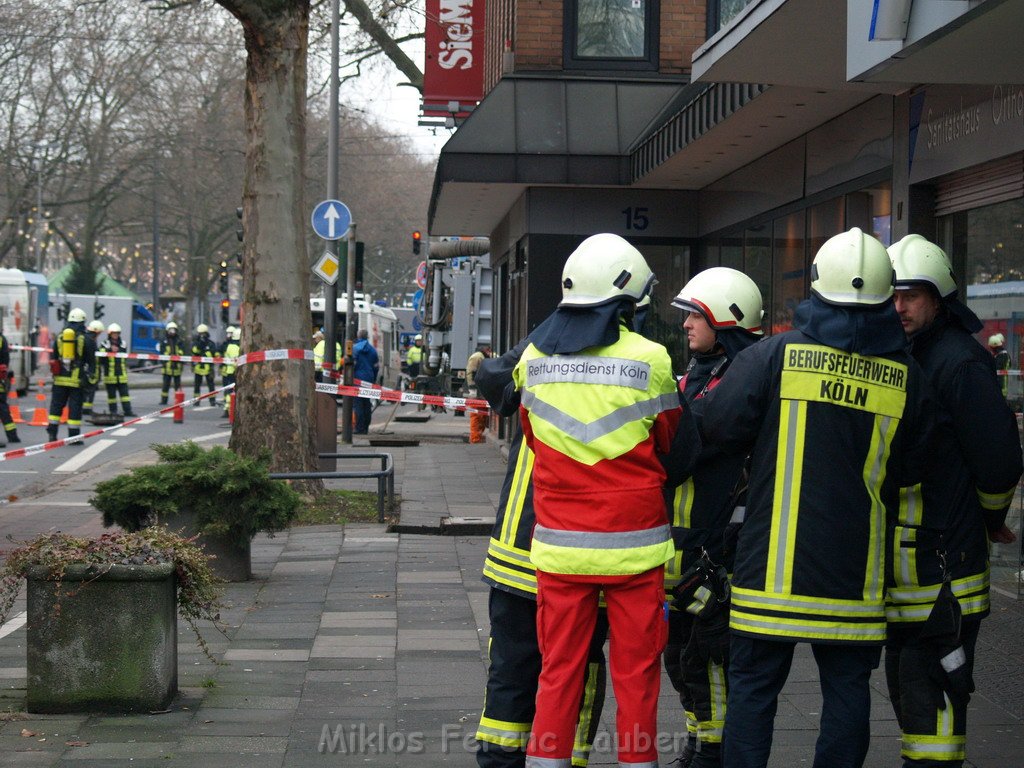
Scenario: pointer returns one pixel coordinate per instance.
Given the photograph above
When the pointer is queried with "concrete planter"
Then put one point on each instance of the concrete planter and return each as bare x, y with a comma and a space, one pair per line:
102, 640
230, 562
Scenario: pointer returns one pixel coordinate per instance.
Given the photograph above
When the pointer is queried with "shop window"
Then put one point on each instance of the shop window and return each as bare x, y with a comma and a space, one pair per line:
987, 248
757, 261
731, 252
611, 34
789, 271
871, 210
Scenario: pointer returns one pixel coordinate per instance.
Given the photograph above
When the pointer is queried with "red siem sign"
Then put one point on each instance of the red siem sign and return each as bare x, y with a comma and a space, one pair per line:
454, 67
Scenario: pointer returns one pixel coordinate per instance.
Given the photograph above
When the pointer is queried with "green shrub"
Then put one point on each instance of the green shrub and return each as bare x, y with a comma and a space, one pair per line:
228, 494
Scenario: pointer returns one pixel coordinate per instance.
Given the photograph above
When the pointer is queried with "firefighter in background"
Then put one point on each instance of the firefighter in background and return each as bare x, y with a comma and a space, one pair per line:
232, 349
10, 428
835, 416
170, 344
1001, 356
941, 540
203, 346
319, 352
92, 332
115, 372
723, 317
477, 419
74, 357
414, 356
600, 412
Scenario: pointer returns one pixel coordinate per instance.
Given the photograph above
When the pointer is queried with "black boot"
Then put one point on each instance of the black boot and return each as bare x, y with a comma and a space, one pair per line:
51, 432
12, 436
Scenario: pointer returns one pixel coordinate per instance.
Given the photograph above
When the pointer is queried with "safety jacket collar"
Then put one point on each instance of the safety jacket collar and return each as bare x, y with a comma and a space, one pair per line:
873, 330
735, 340
568, 330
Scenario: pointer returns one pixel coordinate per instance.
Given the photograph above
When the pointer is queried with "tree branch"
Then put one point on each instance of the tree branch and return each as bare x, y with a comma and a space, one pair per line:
388, 45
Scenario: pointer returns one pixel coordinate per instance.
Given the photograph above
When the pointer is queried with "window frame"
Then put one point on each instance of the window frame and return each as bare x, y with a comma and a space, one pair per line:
649, 62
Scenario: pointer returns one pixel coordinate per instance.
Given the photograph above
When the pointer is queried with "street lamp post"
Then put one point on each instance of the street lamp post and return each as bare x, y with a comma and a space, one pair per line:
44, 147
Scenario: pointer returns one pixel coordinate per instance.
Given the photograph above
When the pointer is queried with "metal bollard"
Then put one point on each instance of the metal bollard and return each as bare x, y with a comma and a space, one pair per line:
179, 410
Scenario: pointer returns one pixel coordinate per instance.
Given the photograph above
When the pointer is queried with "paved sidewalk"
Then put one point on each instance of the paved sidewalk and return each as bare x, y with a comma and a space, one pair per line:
359, 646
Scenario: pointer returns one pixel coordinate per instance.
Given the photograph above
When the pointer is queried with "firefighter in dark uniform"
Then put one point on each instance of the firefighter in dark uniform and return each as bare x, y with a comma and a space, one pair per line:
203, 346
89, 387
170, 345
74, 357
10, 427
724, 312
232, 349
941, 537
115, 372
512, 604
835, 416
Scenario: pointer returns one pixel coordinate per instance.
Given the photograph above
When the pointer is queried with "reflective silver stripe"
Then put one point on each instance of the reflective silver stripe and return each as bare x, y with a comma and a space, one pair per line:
995, 501
587, 433
499, 550
603, 540
701, 595
587, 369
739, 514
746, 598
786, 506
954, 659
549, 762
809, 628
930, 592
514, 580
502, 737
876, 475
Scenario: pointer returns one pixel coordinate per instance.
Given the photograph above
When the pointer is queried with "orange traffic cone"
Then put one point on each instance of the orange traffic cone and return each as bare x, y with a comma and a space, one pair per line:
64, 415
12, 402
40, 417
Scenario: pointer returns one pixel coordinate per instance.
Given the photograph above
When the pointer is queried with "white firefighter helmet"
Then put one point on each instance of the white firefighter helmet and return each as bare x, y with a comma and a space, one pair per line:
202, 328
171, 326
418, 337
604, 268
236, 334
644, 302
917, 260
852, 269
228, 331
726, 298
76, 315
996, 340
113, 328
95, 326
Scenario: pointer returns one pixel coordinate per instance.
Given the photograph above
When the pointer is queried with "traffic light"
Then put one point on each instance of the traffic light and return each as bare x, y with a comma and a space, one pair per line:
97, 310
416, 239
223, 277
240, 232
225, 311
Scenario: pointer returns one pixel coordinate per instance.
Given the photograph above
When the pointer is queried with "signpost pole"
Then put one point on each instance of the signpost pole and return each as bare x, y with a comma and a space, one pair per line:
329, 443
351, 327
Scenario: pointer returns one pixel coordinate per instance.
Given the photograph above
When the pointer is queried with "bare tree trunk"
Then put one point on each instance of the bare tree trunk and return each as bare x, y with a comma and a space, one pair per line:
275, 403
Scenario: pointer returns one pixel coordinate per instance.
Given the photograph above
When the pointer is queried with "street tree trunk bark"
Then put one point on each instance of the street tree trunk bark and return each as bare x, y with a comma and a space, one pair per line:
275, 405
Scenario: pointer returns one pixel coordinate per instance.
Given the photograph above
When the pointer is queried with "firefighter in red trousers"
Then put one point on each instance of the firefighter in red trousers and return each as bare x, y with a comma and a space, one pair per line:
941, 539
601, 413
723, 316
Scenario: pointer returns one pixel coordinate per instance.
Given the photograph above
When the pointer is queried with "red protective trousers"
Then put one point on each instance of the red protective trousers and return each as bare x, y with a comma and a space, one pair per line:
566, 612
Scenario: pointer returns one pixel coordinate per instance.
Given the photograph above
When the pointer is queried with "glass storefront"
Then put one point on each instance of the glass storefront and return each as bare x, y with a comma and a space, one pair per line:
777, 253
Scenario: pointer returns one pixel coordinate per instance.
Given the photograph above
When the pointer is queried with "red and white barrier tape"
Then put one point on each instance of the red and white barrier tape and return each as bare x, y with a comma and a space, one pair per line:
31, 450
397, 396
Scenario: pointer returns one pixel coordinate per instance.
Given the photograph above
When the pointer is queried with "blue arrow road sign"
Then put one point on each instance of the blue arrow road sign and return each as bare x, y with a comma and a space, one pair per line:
331, 219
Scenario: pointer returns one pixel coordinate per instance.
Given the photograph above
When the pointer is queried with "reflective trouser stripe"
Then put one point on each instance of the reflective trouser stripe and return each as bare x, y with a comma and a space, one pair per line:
710, 731
547, 762
996, 501
502, 733
691, 723
581, 746
945, 745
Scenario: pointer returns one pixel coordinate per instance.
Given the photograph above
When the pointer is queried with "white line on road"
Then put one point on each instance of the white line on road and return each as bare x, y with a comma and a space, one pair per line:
14, 624
19, 471
123, 432
84, 455
214, 436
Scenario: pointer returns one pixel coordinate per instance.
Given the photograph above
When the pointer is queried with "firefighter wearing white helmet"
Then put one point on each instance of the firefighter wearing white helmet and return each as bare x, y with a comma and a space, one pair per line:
91, 383
944, 525
600, 412
203, 346
833, 415
1001, 357
171, 344
414, 357
72, 361
722, 316
115, 371
231, 349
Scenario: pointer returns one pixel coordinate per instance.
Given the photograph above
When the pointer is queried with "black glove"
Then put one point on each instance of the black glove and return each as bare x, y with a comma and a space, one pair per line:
712, 636
940, 634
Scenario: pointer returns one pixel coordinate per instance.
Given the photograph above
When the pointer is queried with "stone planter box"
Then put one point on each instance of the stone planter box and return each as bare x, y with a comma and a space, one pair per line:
230, 562
102, 640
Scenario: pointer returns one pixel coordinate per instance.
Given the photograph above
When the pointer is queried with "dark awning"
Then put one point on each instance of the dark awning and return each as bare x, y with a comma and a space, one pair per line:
545, 129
